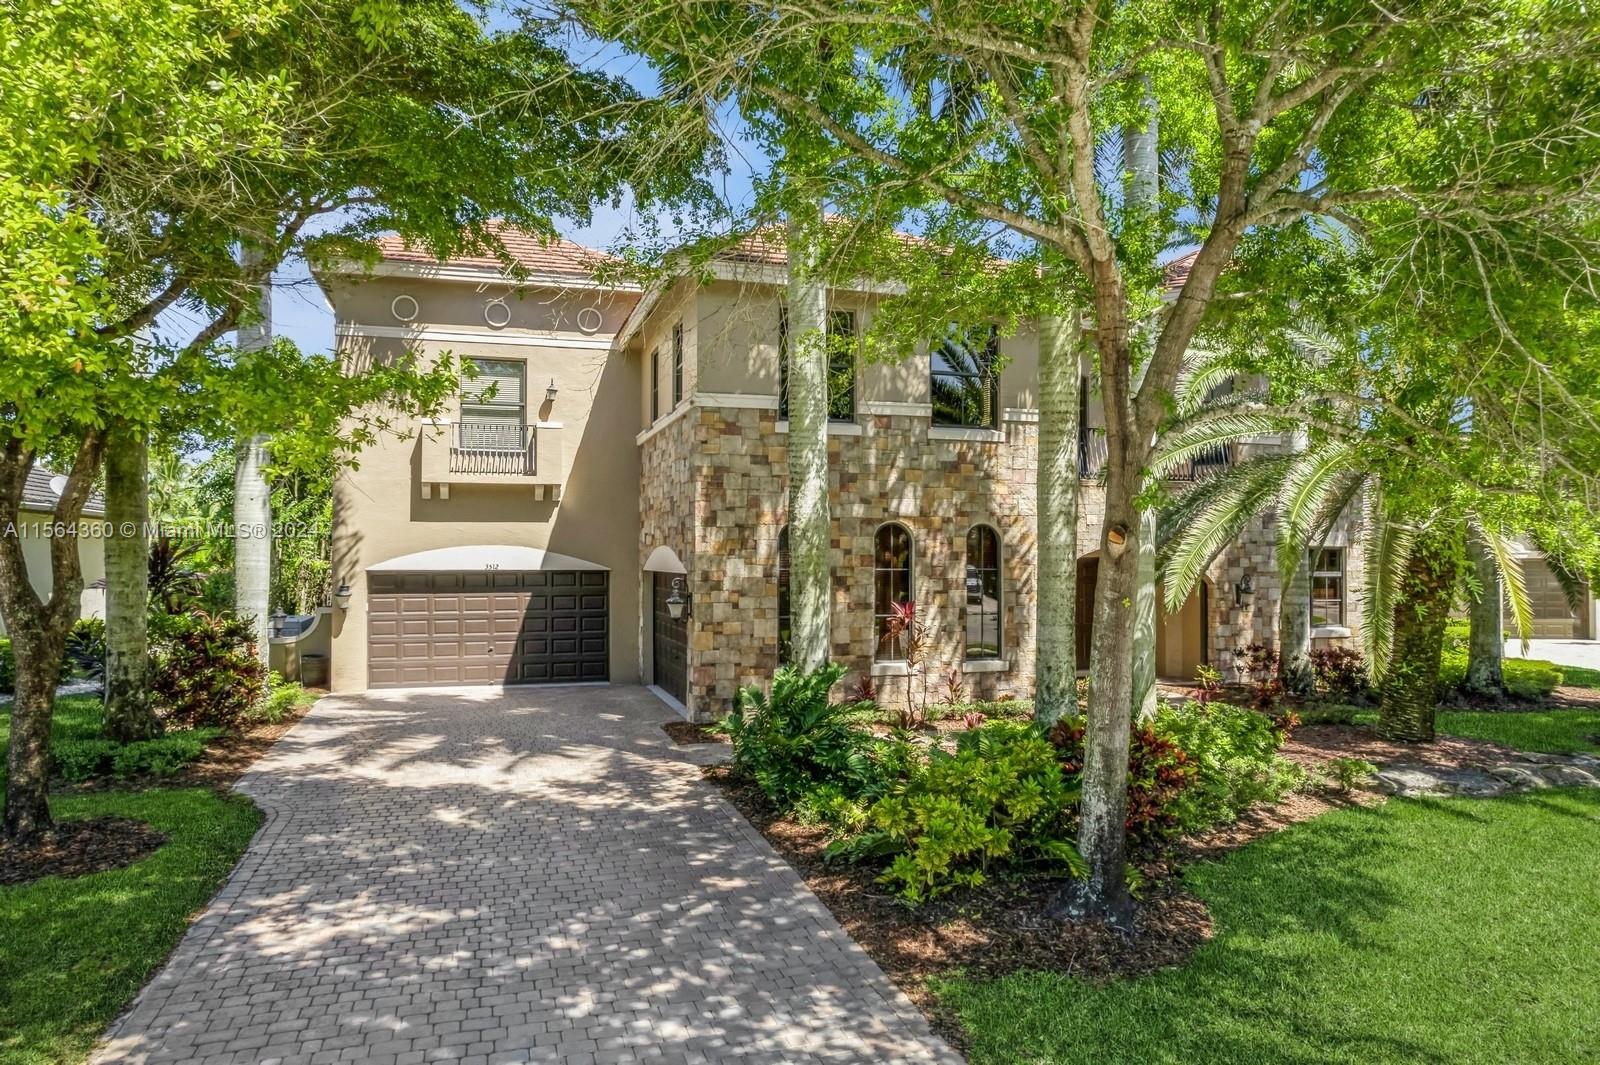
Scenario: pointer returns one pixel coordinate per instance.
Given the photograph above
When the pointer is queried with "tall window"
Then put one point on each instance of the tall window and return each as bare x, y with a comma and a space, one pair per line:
983, 593
677, 365
841, 342
964, 384
493, 411
785, 618
1327, 586
655, 385
891, 585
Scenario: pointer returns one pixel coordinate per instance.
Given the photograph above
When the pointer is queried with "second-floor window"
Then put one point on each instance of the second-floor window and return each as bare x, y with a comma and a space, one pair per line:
677, 365
655, 385
493, 406
1327, 586
962, 377
842, 346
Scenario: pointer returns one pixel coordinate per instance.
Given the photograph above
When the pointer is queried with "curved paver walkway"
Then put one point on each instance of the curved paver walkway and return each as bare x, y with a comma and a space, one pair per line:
528, 875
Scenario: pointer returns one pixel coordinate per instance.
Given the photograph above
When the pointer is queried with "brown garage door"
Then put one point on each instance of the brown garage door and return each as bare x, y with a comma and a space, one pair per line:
1553, 616
492, 627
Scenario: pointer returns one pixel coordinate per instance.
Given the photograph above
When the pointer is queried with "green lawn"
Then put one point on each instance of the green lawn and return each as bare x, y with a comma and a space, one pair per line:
1555, 731
1444, 931
74, 952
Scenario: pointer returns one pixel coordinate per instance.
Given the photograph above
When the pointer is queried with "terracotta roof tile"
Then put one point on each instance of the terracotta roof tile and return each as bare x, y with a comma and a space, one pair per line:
534, 253
1177, 271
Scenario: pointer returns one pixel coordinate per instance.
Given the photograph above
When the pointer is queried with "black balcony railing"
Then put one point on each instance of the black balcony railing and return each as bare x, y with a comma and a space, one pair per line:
1092, 454
478, 447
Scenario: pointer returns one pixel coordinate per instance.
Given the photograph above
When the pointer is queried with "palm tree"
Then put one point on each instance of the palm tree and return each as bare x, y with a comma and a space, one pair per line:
1413, 564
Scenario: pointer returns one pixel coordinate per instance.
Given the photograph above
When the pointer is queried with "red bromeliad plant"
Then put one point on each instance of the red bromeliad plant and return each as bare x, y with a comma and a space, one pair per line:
904, 632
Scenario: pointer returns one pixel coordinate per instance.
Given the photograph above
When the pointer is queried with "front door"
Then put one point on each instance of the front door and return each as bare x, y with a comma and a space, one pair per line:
670, 642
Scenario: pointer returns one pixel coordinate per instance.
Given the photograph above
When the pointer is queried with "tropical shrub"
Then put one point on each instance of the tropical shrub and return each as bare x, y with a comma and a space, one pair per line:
282, 697
87, 759
830, 806
1343, 774
1233, 753
795, 739
1160, 773
1529, 679
1340, 672
203, 669
86, 648
999, 799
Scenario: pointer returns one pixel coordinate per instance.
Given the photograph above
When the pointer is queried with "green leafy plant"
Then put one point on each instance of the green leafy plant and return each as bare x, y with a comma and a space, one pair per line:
830, 806
203, 669
1340, 673
999, 799
795, 739
86, 648
88, 759
281, 699
1344, 774
1160, 773
1531, 680
1233, 752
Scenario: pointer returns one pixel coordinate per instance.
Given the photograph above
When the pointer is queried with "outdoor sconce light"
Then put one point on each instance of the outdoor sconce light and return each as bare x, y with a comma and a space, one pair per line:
1243, 590
278, 618
341, 598
550, 391
678, 605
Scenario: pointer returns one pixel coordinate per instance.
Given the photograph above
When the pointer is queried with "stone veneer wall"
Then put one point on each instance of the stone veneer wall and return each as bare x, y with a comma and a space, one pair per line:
714, 487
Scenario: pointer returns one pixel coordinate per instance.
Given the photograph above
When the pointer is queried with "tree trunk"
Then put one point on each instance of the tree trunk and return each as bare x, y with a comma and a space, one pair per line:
1486, 644
38, 630
252, 543
1142, 185
810, 525
1294, 632
1409, 692
1056, 577
128, 712
252, 499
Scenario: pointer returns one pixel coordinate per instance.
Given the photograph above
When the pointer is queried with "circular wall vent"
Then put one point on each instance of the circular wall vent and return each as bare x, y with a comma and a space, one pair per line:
496, 313
404, 308
590, 319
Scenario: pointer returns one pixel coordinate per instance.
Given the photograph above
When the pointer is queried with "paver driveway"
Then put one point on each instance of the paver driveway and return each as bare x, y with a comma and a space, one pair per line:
527, 875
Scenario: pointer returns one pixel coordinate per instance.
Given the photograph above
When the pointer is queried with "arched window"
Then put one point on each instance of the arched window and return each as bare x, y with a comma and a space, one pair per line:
983, 593
785, 630
891, 585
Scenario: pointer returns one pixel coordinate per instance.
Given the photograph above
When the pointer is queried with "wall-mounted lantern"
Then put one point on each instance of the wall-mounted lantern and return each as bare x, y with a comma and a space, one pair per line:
678, 604
1243, 590
550, 391
341, 598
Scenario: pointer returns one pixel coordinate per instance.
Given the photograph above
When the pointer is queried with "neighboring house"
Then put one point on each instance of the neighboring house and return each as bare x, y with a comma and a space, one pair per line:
1555, 617
631, 452
37, 527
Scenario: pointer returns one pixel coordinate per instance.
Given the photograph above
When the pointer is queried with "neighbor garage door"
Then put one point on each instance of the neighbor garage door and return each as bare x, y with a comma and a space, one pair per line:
1553, 616
489, 627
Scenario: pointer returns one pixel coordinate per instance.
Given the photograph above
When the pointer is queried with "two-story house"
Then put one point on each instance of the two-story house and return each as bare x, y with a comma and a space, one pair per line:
613, 507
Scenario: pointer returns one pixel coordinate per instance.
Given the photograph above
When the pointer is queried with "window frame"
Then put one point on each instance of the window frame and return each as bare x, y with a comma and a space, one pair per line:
785, 603
998, 611
469, 411
880, 616
677, 365
833, 314
985, 378
655, 384
1338, 576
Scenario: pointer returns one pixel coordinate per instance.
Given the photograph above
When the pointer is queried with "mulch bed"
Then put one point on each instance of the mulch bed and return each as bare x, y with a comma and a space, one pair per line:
1311, 744
689, 732
989, 931
78, 848
230, 756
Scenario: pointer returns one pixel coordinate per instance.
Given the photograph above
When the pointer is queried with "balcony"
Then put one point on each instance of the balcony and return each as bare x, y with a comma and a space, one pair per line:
474, 453
1092, 454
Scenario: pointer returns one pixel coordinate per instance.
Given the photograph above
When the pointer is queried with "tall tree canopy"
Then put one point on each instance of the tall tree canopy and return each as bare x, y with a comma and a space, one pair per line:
1291, 134
165, 156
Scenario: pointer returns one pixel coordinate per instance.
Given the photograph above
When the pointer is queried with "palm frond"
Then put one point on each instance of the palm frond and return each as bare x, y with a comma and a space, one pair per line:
1388, 553
1223, 507
1212, 428
1511, 576
1315, 475
1206, 372
1573, 585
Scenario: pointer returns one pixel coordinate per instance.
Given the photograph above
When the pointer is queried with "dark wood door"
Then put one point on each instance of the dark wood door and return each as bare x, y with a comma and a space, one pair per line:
669, 641
490, 627
1088, 576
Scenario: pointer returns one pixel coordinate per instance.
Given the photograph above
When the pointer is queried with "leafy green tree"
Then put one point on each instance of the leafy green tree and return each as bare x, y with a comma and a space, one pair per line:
168, 155
1289, 132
